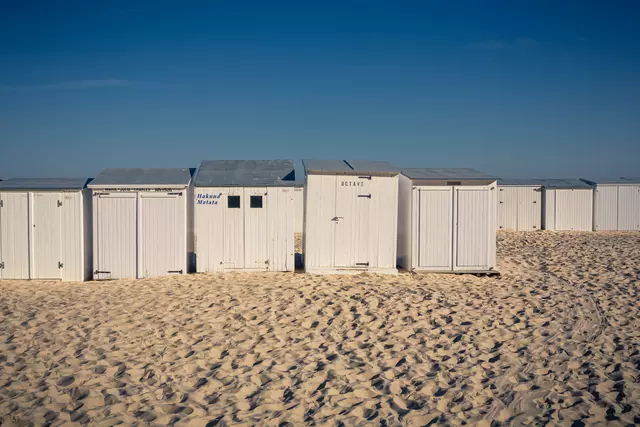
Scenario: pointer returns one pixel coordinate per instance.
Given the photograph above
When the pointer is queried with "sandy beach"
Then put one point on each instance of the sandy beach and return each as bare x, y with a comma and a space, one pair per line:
555, 339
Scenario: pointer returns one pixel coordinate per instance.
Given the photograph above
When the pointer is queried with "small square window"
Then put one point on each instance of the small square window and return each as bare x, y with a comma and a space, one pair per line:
233, 202
256, 201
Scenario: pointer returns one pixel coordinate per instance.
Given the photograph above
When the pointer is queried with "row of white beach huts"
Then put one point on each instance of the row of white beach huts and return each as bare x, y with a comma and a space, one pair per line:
242, 215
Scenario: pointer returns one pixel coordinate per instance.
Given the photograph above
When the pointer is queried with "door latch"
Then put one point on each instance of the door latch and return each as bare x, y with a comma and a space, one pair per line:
336, 218
60, 265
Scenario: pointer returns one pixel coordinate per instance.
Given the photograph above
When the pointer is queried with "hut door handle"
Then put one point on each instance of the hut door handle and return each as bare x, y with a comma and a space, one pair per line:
336, 218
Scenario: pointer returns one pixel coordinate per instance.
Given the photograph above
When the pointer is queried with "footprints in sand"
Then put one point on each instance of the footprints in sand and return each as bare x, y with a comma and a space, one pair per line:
284, 349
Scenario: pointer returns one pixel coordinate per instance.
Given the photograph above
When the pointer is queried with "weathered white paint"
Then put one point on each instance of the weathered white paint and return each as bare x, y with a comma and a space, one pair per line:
298, 197
244, 237
519, 207
447, 228
115, 235
617, 207
44, 235
350, 223
45, 224
568, 209
405, 221
605, 208
140, 233
162, 244
629, 208
14, 235
435, 228
474, 231
75, 235
549, 209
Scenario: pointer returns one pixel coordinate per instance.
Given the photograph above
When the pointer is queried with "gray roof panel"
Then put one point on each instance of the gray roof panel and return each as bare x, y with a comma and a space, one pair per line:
350, 167
246, 173
564, 183
439, 174
520, 181
43, 184
613, 181
137, 177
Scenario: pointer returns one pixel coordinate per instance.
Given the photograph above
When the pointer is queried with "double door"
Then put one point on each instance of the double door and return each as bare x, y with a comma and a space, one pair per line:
455, 228
30, 235
519, 208
139, 235
245, 219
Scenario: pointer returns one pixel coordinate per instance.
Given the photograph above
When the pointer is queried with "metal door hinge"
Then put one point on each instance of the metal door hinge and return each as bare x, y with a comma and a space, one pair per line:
365, 264
101, 272
175, 271
1, 265
368, 196
59, 203
1, 203
60, 265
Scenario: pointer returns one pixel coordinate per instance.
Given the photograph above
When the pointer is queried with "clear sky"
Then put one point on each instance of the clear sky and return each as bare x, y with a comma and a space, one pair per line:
513, 88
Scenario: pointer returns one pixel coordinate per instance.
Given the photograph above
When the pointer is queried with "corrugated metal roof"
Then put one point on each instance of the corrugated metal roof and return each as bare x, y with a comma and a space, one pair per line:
466, 174
350, 167
43, 184
519, 181
246, 173
140, 177
561, 183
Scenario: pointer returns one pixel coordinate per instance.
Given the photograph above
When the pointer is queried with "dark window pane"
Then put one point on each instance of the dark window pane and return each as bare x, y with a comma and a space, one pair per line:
256, 201
233, 202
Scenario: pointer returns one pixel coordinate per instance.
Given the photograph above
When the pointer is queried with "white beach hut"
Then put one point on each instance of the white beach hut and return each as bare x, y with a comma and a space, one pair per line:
519, 204
299, 204
140, 222
45, 229
351, 209
616, 205
567, 205
245, 215
447, 221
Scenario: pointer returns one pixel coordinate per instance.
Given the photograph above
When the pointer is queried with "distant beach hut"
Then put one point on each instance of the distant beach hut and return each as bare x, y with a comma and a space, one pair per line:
351, 211
140, 222
245, 215
45, 229
447, 221
567, 205
519, 204
616, 204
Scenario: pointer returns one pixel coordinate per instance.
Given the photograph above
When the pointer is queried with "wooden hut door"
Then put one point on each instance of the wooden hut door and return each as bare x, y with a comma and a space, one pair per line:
115, 236
435, 228
472, 231
255, 229
46, 236
14, 235
353, 204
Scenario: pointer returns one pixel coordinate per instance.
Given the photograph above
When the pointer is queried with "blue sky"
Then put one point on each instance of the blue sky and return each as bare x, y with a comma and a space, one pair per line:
513, 88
